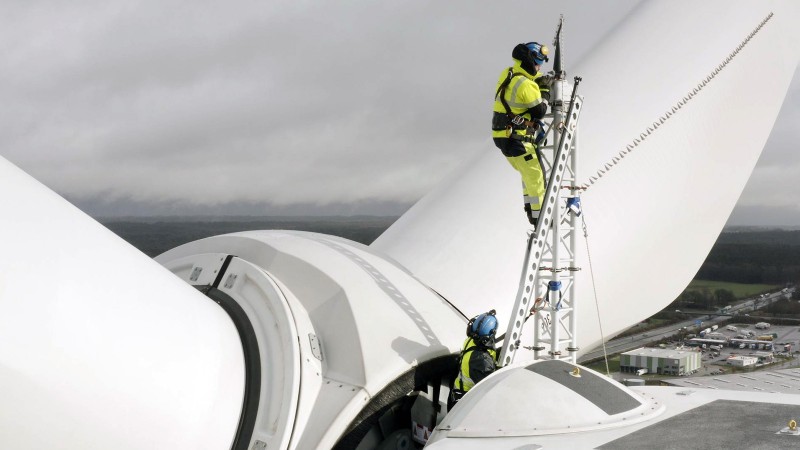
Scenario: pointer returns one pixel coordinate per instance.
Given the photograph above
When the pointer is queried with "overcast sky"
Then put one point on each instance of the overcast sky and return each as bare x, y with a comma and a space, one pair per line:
285, 107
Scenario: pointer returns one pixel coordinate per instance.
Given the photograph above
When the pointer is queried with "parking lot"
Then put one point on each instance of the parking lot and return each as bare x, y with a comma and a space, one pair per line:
715, 361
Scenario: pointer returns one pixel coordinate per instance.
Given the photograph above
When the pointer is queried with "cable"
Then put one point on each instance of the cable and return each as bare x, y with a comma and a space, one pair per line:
677, 106
594, 289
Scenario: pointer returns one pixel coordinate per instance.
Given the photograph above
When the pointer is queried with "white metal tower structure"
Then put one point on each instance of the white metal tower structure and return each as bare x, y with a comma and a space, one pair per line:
546, 288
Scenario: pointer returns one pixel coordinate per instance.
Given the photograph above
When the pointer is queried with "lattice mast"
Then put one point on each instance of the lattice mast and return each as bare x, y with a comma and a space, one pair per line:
547, 283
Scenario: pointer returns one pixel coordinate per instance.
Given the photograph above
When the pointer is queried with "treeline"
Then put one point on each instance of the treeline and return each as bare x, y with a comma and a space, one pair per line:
755, 257
783, 308
762, 257
156, 235
703, 299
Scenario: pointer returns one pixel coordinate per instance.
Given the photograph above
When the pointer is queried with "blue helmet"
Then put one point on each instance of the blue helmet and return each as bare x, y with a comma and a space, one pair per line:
539, 52
483, 326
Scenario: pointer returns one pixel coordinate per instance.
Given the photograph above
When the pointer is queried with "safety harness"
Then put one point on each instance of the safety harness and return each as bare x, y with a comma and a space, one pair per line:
508, 120
459, 381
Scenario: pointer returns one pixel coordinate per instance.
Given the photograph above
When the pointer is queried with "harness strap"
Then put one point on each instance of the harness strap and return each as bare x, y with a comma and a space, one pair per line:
501, 91
502, 121
510, 120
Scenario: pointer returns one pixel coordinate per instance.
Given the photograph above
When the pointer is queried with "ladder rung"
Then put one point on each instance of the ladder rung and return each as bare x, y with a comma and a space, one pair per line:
535, 247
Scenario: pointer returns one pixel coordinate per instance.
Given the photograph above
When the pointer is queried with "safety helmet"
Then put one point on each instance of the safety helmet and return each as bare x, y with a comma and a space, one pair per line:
539, 52
482, 328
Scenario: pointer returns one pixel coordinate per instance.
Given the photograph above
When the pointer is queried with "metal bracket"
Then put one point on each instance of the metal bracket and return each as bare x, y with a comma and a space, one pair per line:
230, 281
316, 349
195, 273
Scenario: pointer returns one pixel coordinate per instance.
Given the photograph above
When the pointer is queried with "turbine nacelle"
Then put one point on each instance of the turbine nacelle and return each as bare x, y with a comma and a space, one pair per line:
332, 331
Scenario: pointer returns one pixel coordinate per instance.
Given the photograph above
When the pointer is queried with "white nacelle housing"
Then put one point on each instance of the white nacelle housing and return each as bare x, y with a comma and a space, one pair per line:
337, 330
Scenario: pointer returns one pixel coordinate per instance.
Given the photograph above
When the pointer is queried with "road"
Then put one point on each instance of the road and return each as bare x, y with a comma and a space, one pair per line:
635, 341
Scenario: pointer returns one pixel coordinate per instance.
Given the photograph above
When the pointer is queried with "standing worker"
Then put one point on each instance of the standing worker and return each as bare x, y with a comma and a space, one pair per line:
478, 356
520, 104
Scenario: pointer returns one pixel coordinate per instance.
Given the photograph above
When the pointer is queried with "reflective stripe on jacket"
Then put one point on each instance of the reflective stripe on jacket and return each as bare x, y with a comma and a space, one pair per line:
521, 95
476, 364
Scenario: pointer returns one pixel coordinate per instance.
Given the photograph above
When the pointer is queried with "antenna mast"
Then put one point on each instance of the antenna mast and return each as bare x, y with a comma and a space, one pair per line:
547, 284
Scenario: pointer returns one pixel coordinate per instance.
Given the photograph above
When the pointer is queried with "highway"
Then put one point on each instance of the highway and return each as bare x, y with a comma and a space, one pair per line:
635, 341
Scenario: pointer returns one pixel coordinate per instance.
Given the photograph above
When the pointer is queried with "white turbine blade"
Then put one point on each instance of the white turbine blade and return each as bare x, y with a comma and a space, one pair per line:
653, 216
102, 347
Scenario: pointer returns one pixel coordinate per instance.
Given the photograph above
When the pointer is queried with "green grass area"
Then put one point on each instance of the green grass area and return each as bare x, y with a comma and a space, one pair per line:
647, 325
740, 290
600, 366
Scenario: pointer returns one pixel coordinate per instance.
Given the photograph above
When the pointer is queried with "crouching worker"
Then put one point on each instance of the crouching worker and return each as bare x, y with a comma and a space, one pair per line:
478, 356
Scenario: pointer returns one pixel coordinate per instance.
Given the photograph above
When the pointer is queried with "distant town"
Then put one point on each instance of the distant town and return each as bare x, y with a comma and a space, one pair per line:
737, 340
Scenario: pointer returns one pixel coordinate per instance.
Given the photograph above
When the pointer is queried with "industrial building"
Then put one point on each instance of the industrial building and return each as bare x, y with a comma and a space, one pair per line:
660, 361
700, 341
753, 344
764, 357
742, 360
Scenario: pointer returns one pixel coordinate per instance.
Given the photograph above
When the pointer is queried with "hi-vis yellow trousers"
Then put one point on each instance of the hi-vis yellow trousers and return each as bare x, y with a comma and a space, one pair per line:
530, 170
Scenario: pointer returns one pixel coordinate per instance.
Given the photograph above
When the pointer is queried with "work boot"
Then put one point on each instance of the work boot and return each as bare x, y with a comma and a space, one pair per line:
529, 212
533, 220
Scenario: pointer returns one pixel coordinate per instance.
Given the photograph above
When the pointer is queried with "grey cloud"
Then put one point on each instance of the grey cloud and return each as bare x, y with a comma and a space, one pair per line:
765, 216
271, 104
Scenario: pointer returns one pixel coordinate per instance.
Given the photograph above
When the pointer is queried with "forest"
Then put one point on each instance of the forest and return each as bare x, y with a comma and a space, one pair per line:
752, 256
155, 235
760, 257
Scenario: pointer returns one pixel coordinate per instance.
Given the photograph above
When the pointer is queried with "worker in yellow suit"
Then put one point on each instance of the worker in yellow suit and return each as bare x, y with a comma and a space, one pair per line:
478, 357
520, 104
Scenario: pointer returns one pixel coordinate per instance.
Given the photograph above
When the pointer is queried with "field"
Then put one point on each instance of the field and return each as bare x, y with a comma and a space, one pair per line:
740, 290
600, 366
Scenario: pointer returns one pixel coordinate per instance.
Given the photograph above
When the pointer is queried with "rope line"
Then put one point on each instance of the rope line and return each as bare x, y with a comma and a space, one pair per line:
672, 111
594, 289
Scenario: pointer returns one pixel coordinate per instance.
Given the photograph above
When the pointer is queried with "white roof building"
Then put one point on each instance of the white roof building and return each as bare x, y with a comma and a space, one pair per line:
742, 360
660, 361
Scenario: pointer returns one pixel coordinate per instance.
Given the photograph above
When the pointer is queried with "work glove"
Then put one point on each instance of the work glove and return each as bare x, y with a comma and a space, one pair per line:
545, 81
545, 94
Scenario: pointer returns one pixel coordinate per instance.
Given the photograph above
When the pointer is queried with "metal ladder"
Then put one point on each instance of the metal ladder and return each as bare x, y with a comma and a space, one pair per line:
538, 247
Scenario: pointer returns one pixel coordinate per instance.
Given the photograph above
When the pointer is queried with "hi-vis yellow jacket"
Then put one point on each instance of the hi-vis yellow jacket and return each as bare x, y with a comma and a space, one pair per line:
477, 363
521, 95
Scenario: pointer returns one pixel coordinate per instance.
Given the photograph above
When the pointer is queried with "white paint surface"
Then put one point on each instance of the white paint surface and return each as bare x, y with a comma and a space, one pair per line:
103, 348
654, 216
